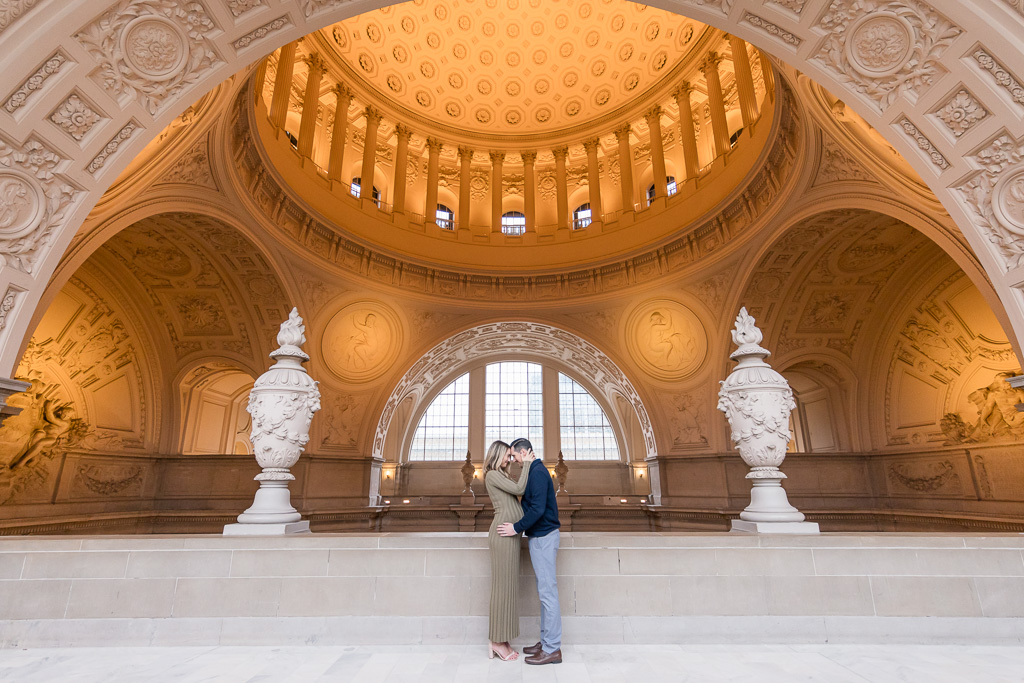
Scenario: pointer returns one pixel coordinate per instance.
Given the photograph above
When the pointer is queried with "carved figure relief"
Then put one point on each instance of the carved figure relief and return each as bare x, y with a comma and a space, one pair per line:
361, 341
998, 417
666, 339
689, 420
343, 415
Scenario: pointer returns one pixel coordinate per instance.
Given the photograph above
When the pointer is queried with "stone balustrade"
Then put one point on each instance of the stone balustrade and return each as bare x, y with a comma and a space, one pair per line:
412, 588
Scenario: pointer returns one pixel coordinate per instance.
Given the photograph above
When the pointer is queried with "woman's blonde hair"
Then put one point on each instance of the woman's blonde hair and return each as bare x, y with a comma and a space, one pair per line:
495, 459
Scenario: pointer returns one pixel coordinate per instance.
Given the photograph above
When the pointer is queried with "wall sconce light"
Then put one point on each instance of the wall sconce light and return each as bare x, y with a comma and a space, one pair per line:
476, 474
387, 502
623, 500
643, 500
406, 501
552, 473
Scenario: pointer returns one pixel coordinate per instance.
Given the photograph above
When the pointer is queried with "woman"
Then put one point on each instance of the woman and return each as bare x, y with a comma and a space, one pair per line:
504, 622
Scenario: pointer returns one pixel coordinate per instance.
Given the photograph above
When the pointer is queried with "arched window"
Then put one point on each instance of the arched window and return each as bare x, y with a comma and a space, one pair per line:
581, 217
513, 223
514, 403
586, 433
734, 138
356, 188
443, 431
445, 217
518, 399
670, 182
292, 139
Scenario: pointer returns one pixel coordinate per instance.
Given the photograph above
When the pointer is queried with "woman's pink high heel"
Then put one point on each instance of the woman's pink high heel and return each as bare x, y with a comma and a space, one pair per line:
510, 657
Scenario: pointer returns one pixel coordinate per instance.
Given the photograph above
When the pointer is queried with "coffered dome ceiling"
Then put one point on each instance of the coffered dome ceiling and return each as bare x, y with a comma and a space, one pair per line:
513, 67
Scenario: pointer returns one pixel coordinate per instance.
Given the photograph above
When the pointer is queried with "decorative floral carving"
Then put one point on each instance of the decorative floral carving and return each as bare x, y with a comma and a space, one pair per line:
75, 117
35, 81
34, 200
837, 164
885, 48
111, 147
151, 50
193, 168
794, 6
938, 475
1003, 77
107, 481
961, 113
11, 11
933, 154
772, 29
240, 7
6, 305
261, 32
994, 196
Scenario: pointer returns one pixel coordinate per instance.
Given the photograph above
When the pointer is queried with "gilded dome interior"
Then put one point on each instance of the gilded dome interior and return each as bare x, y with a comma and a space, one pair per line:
511, 67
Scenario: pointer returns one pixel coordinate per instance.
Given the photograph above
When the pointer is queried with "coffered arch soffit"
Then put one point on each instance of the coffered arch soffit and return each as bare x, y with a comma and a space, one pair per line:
945, 92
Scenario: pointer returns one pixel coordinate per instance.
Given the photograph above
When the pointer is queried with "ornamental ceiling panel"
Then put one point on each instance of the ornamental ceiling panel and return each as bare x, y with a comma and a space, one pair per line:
513, 66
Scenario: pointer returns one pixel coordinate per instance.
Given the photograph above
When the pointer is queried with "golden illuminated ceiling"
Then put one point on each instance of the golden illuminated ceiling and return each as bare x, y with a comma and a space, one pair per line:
513, 66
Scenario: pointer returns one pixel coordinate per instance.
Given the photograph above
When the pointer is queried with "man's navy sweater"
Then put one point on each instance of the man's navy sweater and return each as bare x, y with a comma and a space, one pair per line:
540, 511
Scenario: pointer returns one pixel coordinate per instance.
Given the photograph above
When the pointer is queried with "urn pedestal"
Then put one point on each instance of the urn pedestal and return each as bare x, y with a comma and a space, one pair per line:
282, 404
757, 402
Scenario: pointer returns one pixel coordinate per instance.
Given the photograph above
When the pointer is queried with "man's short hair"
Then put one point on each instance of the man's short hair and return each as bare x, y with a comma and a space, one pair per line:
522, 445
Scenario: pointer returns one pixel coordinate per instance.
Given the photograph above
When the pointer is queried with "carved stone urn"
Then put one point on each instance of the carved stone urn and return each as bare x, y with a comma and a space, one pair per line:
561, 474
282, 404
468, 470
757, 402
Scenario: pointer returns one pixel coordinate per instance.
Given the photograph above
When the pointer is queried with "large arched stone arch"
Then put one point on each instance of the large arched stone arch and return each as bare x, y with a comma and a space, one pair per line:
947, 93
524, 340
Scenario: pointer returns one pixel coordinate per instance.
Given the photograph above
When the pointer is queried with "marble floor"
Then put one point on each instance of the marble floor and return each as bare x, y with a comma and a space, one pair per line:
430, 664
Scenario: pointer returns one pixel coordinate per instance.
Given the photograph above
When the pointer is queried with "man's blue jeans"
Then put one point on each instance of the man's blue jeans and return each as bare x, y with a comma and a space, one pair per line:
543, 551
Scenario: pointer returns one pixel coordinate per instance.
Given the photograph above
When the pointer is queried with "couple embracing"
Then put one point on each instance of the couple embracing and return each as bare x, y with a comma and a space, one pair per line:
537, 517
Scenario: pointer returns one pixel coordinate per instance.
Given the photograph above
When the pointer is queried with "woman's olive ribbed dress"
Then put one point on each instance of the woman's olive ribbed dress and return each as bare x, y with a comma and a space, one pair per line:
504, 622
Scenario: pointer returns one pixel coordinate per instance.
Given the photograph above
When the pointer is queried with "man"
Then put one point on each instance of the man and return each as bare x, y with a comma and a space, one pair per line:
540, 524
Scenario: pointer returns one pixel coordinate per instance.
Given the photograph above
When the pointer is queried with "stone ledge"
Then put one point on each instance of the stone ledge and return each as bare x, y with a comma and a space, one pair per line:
349, 631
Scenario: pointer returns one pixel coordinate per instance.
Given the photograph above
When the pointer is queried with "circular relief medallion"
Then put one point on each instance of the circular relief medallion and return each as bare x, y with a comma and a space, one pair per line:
22, 204
666, 339
879, 44
155, 46
362, 341
537, 28
1007, 200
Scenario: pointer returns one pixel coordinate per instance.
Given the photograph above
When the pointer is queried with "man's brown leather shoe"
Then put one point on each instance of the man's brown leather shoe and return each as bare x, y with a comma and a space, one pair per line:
545, 658
532, 649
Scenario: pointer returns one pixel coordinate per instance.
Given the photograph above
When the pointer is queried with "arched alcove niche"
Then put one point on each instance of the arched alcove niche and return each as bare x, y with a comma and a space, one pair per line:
537, 342
212, 399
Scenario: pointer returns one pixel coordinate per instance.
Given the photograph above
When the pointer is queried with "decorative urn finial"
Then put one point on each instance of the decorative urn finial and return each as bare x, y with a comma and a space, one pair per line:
757, 401
282, 404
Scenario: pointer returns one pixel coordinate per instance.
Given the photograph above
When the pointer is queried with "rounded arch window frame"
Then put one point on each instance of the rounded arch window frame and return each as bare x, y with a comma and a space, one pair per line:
548, 343
425, 400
